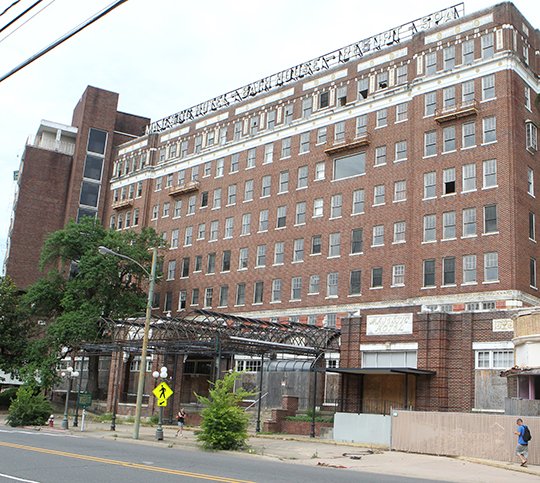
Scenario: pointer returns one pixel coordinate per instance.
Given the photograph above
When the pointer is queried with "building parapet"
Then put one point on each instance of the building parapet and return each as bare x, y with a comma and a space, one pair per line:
57, 146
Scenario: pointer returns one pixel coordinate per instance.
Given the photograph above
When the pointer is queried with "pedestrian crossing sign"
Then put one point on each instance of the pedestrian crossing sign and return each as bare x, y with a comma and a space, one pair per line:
162, 393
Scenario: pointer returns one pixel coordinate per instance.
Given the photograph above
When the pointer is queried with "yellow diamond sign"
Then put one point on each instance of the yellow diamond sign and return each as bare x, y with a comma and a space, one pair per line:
162, 392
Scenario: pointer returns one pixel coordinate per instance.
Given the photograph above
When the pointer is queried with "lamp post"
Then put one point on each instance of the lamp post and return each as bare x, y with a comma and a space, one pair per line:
159, 430
69, 374
76, 417
142, 368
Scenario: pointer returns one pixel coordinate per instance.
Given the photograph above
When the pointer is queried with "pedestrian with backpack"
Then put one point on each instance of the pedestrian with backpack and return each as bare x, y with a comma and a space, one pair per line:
524, 436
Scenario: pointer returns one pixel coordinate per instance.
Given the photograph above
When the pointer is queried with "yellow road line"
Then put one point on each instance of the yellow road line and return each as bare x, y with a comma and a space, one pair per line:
127, 464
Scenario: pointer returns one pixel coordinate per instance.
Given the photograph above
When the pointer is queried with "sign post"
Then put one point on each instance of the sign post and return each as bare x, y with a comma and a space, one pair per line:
162, 393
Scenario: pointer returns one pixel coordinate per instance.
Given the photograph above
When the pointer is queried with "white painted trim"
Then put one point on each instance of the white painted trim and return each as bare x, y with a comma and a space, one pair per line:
324, 79
212, 120
479, 346
459, 29
397, 346
264, 101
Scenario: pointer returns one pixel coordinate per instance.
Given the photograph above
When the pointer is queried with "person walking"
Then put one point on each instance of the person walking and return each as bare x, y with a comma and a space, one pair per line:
522, 448
181, 420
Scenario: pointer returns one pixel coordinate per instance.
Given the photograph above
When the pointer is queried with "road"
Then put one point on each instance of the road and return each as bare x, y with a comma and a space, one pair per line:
40, 457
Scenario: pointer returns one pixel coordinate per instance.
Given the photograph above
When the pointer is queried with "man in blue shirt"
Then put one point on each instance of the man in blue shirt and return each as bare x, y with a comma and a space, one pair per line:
522, 449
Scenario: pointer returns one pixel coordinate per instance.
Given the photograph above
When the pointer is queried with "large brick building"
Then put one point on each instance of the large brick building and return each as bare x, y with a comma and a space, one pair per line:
388, 186
63, 175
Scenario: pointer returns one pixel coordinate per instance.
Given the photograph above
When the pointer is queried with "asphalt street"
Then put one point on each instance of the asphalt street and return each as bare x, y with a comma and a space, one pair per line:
41, 457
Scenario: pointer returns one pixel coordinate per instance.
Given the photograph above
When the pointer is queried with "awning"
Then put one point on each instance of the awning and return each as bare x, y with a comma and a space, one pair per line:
382, 370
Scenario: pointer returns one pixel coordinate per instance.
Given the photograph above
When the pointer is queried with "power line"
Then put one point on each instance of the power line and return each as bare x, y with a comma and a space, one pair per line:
62, 39
7, 8
25, 22
22, 14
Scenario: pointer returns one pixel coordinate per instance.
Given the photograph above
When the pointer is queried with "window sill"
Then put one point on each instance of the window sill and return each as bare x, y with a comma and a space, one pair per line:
468, 147
469, 284
490, 233
355, 254
489, 282
376, 288
297, 261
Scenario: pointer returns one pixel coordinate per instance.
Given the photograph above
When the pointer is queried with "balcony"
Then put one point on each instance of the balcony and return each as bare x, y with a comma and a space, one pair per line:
118, 205
184, 188
348, 144
465, 109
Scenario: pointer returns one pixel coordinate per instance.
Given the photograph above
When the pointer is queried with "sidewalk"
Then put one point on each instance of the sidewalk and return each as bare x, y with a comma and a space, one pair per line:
327, 453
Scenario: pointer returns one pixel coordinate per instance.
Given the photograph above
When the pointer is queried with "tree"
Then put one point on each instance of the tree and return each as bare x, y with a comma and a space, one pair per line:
224, 423
82, 286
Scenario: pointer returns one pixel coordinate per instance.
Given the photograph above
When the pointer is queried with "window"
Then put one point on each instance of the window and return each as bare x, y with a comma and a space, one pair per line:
430, 103
198, 263
240, 294
243, 258
204, 199
314, 284
449, 139
201, 231
279, 253
363, 88
165, 212
399, 232
231, 195
251, 158
195, 296
467, 92
487, 45
300, 216
469, 222
174, 238
431, 63
349, 166
304, 142
532, 272
155, 212
188, 236
246, 224
361, 125
402, 112
469, 269
488, 87
229, 227
358, 202
332, 284
398, 275
283, 182
430, 143
494, 359
302, 178
429, 273
198, 144
469, 135
318, 207
258, 292
489, 127
235, 162
263, 220
220, 167
339, 131
237, 133
216, 203
376, 277
271, 119
382, 80
182, 300
324, 99
449, 98
214, 230
449, 57
531, 136
489, 173
449, 271
355, 286
378, 195
401, 74
286, 148
319, 171
183, 149
491, 267
192, 202
261, 256
211, 263
430, 224
530, 181
449, 181
490, 219
266, 186
268, 153
296, 288
135, 216
378, 235
223, 295
357, 240
281, 219
276, 290
528, 97
226, 261
321, 135
298, 250
430, 187
185, 267
194, 173
171, 270
382, 118
467, 52
336, 203
316, 245
288, 114
468, 177
532, 226
400, 191
210, 138
380, 156
401, 151
248, 190
334, 245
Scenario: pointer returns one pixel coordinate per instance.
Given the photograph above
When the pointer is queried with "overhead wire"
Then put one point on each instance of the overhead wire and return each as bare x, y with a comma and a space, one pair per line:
22, 14
10, 6
64, 37
26, 21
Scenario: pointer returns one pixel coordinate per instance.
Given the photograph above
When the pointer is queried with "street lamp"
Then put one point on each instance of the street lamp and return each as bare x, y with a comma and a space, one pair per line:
156, 375
69, 374
142, 368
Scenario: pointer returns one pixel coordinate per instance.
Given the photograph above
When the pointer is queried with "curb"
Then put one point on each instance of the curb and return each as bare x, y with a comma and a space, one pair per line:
501, 465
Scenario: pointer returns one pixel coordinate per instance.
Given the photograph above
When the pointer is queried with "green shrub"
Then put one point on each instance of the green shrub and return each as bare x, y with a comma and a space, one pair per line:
308, 418
105, 418
154, 419
224, 424
28, 408
7, 396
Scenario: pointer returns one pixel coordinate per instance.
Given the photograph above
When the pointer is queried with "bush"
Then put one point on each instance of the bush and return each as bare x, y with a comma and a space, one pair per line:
224, 424
7, 396
28, 408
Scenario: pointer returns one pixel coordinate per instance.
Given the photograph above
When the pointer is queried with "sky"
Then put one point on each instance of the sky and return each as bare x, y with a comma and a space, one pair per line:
163, 56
